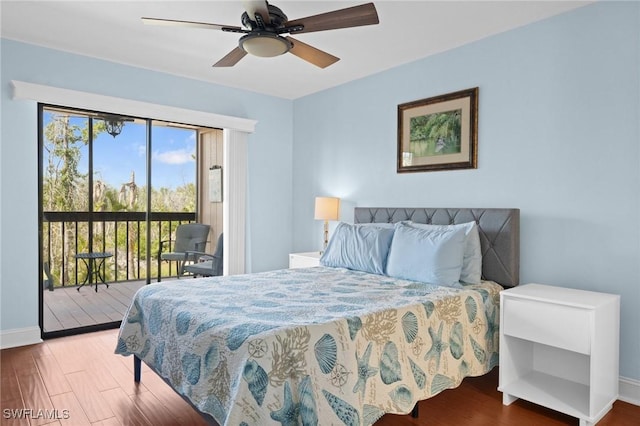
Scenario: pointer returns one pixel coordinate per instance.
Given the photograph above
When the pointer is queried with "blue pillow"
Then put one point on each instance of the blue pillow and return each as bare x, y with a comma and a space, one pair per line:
472, 261
432, 256
358, 247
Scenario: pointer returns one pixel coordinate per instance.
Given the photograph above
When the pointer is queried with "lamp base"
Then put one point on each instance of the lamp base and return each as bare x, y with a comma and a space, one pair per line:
326, 235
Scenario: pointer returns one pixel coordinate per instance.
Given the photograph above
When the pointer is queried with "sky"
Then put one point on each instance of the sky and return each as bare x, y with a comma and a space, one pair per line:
115, 158
173, 153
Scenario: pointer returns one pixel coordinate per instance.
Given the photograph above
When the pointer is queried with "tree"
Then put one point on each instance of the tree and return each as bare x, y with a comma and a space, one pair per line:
437, 133
65, 189
62, 179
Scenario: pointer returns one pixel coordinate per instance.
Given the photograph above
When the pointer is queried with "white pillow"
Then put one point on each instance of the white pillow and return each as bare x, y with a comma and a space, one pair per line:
432, 256
358, 247
472, 262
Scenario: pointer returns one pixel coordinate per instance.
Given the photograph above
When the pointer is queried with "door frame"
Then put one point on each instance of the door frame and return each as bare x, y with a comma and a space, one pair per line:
235, 136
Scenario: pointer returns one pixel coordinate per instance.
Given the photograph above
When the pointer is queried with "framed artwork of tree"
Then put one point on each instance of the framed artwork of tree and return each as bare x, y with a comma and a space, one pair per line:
439, 133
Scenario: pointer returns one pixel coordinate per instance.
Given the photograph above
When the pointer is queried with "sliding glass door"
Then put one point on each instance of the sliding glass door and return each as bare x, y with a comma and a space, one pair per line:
111, 188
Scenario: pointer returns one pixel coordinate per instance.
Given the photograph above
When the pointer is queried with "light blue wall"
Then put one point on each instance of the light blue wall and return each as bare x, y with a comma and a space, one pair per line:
269, 150
559, 130
558, 138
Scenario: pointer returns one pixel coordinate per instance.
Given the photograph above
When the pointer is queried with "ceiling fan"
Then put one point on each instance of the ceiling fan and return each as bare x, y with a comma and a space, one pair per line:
264, 24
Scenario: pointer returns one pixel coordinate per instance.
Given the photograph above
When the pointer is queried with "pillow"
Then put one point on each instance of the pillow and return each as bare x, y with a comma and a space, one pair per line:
358, 247
472, 262
432, 256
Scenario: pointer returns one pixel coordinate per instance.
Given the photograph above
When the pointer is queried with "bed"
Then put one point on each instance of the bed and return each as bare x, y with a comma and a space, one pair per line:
326, 345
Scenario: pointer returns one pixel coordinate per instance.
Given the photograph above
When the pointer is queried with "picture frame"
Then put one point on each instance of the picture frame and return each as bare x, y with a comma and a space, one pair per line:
439, 133
215, 184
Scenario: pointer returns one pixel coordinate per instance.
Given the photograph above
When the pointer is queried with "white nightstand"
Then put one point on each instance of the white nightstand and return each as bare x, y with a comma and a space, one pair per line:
559, 348
304, 260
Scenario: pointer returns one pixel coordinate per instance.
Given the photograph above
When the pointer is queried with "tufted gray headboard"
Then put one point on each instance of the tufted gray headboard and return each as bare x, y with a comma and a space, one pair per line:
499, 233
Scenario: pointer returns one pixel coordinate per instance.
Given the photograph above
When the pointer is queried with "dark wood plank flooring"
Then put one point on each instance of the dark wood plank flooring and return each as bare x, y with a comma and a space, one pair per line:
78, 380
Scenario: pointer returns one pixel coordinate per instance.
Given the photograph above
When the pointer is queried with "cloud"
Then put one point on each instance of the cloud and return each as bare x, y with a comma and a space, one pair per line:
179, 156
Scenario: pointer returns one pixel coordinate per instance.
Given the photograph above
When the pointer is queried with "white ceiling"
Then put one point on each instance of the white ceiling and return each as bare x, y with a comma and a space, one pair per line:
408, 30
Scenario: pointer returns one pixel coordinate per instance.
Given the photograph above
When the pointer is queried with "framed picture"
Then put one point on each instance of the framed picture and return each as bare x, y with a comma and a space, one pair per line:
439, 133
215, 184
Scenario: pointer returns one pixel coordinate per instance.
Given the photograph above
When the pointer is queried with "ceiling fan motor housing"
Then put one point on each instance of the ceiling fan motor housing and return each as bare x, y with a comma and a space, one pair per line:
276, 16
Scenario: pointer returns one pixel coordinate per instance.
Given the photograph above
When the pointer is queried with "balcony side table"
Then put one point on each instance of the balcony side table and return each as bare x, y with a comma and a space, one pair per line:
94, 262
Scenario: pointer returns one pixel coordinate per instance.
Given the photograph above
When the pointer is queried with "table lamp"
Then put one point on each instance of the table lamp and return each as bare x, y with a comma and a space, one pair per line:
327, 208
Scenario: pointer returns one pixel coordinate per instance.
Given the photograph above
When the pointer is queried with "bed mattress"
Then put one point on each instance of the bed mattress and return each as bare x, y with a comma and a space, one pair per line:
313, 345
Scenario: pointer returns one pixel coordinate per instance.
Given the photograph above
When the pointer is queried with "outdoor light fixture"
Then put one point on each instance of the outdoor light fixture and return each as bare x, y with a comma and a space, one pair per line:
113, 126
327, 208
264, 44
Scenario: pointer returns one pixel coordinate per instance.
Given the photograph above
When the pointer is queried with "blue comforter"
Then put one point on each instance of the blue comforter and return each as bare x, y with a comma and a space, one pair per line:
313, 345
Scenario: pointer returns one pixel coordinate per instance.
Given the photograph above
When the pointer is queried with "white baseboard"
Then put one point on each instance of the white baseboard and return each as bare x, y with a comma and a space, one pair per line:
629, 391
19, 337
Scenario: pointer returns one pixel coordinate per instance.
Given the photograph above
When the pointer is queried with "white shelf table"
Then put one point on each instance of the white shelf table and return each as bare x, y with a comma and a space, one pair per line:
304, 260
559, 348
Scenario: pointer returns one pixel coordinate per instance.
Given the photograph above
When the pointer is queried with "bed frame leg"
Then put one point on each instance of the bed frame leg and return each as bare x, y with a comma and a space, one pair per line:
414, 412
137, 367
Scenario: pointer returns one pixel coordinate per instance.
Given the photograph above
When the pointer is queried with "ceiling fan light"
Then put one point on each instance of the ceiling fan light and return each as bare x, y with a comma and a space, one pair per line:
265, 45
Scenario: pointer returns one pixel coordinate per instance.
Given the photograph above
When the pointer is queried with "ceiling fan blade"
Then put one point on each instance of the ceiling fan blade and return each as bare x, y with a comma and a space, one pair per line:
231, 58
176, 23
355, 16
310, 54
257, 6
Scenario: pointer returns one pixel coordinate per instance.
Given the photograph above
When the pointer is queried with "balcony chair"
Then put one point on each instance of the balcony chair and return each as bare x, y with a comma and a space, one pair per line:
207, 265
48, 283
190, 237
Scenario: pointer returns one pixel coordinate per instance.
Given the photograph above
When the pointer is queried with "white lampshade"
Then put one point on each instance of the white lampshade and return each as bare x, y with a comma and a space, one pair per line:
327, 208
265, 44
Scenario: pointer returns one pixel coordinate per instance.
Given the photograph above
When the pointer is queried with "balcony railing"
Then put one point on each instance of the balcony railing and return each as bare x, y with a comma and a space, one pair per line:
124, 234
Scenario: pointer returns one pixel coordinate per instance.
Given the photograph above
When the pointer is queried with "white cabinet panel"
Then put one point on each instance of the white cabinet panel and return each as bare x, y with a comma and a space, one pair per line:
548, 323
304, 260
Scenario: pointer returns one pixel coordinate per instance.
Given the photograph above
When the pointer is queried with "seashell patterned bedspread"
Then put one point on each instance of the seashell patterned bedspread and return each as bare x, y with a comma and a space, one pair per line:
311, 346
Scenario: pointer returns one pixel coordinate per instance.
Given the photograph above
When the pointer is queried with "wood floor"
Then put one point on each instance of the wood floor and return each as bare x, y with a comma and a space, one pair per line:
78, 380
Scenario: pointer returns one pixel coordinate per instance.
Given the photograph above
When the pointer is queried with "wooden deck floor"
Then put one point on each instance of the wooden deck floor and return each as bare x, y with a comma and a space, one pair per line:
66, 308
